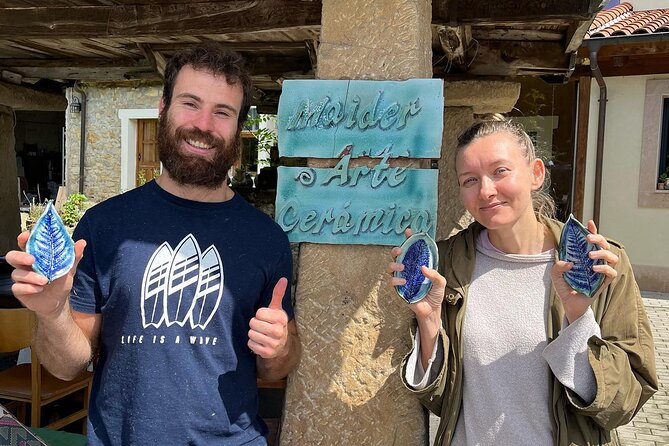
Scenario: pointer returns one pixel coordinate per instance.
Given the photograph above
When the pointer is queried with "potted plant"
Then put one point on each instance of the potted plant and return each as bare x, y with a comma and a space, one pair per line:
663, 181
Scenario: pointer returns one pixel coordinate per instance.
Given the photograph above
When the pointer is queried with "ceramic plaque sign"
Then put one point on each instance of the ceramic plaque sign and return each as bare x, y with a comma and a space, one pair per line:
333, 118
355, 205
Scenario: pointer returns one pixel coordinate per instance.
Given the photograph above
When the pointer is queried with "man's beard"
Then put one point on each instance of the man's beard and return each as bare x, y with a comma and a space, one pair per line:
193, 170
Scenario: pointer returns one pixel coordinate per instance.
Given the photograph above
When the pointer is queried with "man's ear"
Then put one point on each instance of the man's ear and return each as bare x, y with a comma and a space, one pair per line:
161, 104
538, 173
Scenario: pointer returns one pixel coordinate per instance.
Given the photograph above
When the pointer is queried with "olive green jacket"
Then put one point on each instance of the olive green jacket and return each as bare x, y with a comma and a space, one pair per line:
623, 360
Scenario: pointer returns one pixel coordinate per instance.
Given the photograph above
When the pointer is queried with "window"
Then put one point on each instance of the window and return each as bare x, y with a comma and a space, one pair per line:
663, 161
654, 145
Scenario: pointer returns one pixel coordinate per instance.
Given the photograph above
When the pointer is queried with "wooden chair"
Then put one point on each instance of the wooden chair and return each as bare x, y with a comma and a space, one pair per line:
31, 383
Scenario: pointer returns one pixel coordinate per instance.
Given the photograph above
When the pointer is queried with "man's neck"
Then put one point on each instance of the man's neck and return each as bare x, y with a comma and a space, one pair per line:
195, 193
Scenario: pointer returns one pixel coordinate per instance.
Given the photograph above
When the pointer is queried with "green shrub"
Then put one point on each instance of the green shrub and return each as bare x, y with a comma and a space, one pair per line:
73, 209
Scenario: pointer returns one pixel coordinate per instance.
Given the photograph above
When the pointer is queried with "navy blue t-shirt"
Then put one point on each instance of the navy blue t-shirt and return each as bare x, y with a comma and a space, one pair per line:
176, 282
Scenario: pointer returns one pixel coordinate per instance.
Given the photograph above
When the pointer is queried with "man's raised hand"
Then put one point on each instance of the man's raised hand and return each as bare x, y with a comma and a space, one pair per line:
268, 334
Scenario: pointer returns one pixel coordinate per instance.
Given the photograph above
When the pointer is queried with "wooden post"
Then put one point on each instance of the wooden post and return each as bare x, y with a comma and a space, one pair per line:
10, 223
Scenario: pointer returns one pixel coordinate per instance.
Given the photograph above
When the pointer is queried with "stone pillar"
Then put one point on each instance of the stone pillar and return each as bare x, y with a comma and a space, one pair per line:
10, 223
354, 329
451, 214
463, 100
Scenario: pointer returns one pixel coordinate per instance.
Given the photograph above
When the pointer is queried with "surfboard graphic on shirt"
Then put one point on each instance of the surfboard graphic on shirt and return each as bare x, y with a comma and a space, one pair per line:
209, 290
182, 285
153, 286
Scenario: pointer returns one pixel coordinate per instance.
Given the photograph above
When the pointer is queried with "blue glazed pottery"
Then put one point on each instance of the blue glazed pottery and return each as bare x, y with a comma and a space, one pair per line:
416, 251
574, 248
51, 245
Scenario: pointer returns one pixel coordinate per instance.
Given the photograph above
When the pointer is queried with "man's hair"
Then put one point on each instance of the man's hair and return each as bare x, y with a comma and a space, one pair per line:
216, 59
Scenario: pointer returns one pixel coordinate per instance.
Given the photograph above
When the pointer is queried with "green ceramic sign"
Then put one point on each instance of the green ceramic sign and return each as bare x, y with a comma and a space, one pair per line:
356, 205
333, 118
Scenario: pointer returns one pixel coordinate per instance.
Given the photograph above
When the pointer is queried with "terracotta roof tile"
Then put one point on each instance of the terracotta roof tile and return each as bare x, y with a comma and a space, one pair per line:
622, 20
608, 16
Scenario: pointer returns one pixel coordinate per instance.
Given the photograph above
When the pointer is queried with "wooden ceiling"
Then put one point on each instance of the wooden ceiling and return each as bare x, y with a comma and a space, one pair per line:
52, 43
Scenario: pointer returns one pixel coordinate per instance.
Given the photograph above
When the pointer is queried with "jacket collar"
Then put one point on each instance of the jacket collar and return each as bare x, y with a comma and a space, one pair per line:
461, 252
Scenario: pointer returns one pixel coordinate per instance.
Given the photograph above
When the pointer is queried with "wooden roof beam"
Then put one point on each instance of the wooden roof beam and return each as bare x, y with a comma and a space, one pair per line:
82, 62
58, 69
213, 17
155, 58
22, 98
236, 46
450, 12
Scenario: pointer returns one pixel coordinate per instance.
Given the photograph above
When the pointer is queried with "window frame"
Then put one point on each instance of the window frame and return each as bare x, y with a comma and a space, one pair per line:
657, 90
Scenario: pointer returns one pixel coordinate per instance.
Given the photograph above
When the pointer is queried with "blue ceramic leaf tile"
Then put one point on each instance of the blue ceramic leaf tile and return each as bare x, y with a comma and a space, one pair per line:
51, 245
574, 248
417, 251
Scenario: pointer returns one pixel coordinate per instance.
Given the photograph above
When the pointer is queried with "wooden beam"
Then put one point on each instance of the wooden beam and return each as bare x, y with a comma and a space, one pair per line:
526, 35
212, 17
581, 146
80, 62
496, 58
267, 102
238, 46
22, 98
258, 65
644, 63
110, 73
575, 34
634, 66
149, 2
628, 49
155, 58
277, 65
312, 50
521, 11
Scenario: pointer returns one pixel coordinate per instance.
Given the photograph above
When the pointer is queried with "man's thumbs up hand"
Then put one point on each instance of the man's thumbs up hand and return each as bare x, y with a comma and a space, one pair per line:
268, 334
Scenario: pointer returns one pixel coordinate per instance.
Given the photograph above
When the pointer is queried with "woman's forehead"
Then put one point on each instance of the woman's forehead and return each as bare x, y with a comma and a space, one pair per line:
493, 146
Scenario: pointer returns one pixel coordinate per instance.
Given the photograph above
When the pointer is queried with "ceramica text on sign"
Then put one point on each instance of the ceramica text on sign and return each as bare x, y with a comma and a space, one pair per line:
333, 118
356, 205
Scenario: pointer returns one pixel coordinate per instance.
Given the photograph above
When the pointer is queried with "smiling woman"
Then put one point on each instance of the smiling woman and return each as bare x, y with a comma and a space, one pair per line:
500, 321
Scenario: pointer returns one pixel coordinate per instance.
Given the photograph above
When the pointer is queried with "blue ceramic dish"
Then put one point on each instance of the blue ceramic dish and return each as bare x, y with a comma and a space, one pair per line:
417, 250
51, 245
574, 248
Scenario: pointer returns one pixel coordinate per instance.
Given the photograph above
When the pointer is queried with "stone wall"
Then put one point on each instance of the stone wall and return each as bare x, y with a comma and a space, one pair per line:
102, 165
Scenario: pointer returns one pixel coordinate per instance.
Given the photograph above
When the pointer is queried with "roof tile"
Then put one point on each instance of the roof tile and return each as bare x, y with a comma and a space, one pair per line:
622, 20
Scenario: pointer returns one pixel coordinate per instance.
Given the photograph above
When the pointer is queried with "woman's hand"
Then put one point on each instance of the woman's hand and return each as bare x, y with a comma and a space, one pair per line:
428, 309
574, 303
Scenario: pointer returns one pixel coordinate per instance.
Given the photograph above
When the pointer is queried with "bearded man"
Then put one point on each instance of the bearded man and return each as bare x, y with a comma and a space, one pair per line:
180, 291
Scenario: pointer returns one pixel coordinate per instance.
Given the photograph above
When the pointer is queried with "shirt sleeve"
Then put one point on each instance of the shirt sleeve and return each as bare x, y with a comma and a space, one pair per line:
283, 268
567, 356
85, 296
416, 377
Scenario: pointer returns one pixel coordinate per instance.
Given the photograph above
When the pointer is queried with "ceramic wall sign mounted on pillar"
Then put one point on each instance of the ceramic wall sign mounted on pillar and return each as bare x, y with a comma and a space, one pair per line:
353, 326
346, 120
